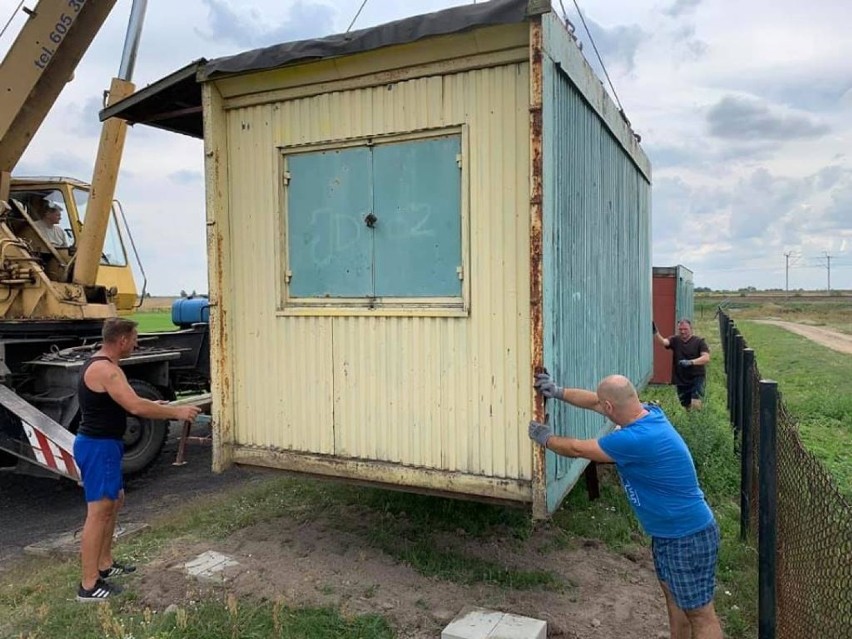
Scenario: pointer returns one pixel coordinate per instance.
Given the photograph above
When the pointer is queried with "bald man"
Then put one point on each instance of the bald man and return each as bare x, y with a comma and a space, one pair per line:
658, 475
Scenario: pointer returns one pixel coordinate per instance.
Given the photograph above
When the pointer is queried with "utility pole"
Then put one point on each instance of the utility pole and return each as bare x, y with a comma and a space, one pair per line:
828, 268
787, 274
787, 257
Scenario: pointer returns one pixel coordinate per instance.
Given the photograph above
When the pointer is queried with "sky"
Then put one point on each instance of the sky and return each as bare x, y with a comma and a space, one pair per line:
743, 108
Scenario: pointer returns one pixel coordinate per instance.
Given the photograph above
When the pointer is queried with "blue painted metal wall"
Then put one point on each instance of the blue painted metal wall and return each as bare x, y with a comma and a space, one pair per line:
597, 263
685, 295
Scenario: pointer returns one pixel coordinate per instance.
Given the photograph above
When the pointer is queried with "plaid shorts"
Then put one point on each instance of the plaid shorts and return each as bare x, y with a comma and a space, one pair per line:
687, 565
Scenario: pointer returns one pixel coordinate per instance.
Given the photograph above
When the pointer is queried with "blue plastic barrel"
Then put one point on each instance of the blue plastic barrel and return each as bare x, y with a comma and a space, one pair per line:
190, 310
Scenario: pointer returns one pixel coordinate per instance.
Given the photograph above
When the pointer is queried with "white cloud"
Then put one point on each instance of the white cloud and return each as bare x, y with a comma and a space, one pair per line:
726, 205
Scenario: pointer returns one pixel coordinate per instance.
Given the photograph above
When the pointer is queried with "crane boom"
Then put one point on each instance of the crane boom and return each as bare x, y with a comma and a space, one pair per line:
39, 63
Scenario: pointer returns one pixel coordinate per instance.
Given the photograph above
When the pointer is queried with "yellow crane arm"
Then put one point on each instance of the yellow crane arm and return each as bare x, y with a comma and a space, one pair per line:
36, 68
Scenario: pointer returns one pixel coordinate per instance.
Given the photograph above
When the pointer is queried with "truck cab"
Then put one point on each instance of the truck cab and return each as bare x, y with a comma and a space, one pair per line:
71, 197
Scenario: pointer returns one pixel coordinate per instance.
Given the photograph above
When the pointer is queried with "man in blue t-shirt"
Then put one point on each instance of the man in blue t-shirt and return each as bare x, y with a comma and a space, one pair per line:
659, 477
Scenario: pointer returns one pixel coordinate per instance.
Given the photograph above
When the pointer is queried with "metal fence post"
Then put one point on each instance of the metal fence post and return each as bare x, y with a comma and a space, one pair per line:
739, 379
731, 333
746, 460
723, 330
767, 516
729, 330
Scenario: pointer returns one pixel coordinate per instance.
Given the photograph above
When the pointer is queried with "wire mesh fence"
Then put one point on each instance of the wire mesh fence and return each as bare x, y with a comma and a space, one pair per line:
806, 577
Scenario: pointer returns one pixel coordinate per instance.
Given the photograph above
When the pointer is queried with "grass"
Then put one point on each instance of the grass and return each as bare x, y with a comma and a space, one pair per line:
413, 529
36, 602
816, 385
426, 533
154, 321
710, 440
224, 617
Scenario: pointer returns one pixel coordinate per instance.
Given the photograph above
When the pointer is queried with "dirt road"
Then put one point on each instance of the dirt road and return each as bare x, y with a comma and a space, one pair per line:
834, 340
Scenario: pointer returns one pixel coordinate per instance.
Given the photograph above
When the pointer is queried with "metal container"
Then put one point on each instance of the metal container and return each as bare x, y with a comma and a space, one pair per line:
674, 299
401, 232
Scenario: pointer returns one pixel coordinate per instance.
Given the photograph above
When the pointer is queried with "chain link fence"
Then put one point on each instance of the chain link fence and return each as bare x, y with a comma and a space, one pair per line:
793, 507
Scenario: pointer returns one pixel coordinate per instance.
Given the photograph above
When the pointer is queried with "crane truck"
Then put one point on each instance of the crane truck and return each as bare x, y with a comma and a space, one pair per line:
56, 291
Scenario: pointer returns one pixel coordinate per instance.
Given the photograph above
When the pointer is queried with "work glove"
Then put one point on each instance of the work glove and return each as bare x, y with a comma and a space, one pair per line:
654, 326
546, 386
540, 433
685, 363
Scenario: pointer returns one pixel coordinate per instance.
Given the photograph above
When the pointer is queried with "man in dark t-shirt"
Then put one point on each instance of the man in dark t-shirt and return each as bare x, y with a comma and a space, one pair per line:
690, 356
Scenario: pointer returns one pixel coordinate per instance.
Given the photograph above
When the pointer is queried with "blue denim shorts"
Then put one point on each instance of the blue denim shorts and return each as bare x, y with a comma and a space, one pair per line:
687, 565
687, 392
99, 461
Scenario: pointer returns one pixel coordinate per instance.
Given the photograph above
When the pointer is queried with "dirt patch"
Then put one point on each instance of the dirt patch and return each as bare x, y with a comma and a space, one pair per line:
825, 337
325, 562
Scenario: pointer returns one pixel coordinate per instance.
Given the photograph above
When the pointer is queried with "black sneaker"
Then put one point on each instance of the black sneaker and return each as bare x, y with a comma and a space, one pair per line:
101, 591
116, 570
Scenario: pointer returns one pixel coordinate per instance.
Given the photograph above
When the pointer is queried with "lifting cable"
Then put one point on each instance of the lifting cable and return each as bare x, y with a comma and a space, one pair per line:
597, 53
351, 24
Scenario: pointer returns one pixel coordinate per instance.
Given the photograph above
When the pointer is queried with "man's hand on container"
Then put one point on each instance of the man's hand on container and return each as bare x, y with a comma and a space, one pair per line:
685, 363
546, 386
540, 433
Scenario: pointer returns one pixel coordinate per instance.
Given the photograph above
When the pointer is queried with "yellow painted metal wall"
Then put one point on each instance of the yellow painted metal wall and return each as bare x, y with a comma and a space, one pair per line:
449, 393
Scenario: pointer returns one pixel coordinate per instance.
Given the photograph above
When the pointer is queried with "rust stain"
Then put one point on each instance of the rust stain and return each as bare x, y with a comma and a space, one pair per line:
223, 437
539, 485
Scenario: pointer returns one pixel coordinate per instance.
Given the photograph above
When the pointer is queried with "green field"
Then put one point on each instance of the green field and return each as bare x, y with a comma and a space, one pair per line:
154, 321
816, 385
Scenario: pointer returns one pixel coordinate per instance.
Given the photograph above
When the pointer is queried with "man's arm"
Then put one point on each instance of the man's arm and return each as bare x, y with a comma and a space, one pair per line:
574, 396
662, 340
114, 382
542, 434
702, 360
585, 448
582, 399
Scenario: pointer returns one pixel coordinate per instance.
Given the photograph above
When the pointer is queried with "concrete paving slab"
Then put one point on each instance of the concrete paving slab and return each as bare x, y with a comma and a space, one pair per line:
209, 565
480, 623
68, 543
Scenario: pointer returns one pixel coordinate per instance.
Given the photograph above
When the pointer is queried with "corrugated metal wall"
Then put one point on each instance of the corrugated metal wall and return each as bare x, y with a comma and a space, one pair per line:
685, 297
438, 392
597, 268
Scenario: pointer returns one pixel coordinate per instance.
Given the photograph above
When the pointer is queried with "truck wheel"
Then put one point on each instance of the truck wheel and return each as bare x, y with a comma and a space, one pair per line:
144, 438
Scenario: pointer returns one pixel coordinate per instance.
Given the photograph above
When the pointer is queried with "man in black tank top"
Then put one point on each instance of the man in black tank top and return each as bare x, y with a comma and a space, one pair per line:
105, 399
